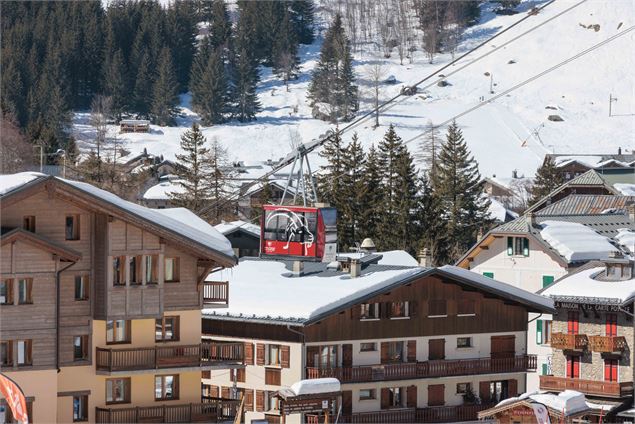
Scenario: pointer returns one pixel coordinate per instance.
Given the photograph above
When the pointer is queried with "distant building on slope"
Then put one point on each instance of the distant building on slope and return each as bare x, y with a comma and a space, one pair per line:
592, 334
243, 236
571, 166
158, 196
408, 344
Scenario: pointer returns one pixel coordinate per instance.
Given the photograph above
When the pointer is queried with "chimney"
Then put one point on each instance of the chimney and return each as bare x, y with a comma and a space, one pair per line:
425, 259
619, 150
356, 268
298, 268
515, 173
631, 211
531, 220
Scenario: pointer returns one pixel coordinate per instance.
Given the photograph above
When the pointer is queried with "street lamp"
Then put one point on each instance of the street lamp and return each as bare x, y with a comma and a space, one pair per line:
62, 152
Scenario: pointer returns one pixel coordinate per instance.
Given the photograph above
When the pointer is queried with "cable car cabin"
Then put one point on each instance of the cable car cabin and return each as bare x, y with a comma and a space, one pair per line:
308, 233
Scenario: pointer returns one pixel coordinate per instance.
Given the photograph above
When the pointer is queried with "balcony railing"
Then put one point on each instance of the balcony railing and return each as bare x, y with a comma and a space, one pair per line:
569, 341
210, 410
215, 293
440, 414
157, 357
590, 387
607, 344
426, 369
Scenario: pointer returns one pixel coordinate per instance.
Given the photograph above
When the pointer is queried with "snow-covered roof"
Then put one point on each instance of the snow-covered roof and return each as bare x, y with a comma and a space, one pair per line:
163, 190
575, 241
584, 284
568, 402
625, 189
316, 386
9, 182
626, 238
498, 212
391, 257
227, 228
195, 231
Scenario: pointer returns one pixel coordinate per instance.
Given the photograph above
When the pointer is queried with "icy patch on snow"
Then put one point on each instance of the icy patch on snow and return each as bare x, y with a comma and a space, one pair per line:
316, 386
9, 182
575, 241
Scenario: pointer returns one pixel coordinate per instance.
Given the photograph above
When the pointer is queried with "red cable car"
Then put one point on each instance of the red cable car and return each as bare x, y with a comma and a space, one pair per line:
302, 232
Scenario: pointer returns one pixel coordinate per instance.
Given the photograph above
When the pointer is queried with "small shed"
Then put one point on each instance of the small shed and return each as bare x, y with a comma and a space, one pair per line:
134, 125
314, 395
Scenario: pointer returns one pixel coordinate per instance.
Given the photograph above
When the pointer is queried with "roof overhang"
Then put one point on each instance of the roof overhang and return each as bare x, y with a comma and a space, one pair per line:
40, 242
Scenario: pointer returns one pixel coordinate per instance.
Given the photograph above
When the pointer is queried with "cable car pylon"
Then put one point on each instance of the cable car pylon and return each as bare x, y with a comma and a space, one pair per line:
301, 157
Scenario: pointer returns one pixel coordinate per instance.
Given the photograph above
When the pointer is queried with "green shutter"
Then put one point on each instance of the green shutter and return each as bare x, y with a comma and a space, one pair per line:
525, 247
545, 369
547, 280
539, 331
510, 246
488, 274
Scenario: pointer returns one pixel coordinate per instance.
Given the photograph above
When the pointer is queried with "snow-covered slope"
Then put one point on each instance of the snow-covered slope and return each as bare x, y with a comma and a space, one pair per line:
512, 133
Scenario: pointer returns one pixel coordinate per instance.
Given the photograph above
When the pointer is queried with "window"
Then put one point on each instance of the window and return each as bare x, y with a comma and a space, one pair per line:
25, 352
171, 270
498, 390
367, 347
166, 329
463, 388
6, 353
273, 355
72, 227
545, 369
611, 325
437, 308
80, 348
151, 269
547, 280
117, 331
517, 246
28, 223
271, 403
395, 397
80, 408
328, 356
369, 311
395, 352
6, 292
543, 331
573, 322
610, 369
25, 287
81, 287
399, 310
488, 275
166, 387
118, 390
573, 366
367, 394
134, 269
463, 342
118, 273
465, 307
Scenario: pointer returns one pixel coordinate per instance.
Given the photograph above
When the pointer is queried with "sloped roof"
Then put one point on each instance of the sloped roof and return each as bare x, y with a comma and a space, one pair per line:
41, 242
583, 204
227, 228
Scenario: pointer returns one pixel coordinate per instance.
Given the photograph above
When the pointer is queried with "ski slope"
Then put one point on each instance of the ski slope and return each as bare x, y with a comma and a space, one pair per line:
511, 133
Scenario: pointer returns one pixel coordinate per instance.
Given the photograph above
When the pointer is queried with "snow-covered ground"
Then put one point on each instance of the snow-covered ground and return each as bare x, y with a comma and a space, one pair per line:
512, 133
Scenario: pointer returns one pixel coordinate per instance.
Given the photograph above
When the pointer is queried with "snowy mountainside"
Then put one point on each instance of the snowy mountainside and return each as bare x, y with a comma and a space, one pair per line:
511, 133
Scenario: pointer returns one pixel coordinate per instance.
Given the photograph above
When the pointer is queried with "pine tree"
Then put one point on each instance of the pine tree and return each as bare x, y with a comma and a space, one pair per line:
244, 77
303, 20
209, 92
143, 86
352, 194
115, 84
372, 197
548, 178
332, 81
430, 223
285, 51
165, 91
194, 171
220, 26
218, 180
329, 181
180, 32
430, 148
459, 186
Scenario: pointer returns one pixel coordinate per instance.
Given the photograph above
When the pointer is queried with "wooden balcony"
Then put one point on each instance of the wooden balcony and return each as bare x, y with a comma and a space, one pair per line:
607, 344
410, 370
569, 341
589, 387
206, 354
215, 293
440, 414
209, 410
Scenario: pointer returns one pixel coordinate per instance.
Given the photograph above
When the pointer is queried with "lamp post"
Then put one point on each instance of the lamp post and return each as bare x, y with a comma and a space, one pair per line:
62, 152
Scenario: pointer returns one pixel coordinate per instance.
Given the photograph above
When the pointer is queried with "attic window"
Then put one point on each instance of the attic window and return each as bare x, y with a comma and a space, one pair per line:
517, 246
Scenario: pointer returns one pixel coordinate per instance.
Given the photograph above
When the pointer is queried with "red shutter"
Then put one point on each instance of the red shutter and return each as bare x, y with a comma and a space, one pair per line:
385, 398
384, 352
411, 397
260, 354
249, 353
285, 356
512, 387
573, 322
610, 370
483, 391
611, 325
412, 351
573, 366
260, 400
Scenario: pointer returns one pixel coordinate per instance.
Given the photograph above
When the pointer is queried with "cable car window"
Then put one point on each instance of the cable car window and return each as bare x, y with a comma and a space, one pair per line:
271, 226
311, 221
329, 217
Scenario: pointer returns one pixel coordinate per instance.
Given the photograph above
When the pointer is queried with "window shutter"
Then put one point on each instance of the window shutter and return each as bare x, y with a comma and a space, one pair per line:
545, 369
260, 400
385, 398
260, 354
224, 392
411, 395
412, 351
510, 246
384, 352
512, 387
413, 308
347, 402
285, 356
547, 280
539, 331
436, 394
249, 399
525, 246
483, 391
249, 353
576, 367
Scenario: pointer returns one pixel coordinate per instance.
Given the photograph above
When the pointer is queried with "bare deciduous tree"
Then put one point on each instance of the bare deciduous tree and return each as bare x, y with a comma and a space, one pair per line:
16, 153
376, 74
100, 111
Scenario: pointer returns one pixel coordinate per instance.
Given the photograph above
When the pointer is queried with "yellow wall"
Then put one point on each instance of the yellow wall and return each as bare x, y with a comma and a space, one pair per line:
42, 385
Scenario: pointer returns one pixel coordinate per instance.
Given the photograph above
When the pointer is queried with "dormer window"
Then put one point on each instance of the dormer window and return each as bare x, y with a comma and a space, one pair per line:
616, 271
517, 246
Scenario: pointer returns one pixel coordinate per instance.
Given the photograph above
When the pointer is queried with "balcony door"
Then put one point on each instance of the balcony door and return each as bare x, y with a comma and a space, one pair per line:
573, 366
573, 322
610, 369
611, 325
503, 346
347, 355
436, 349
